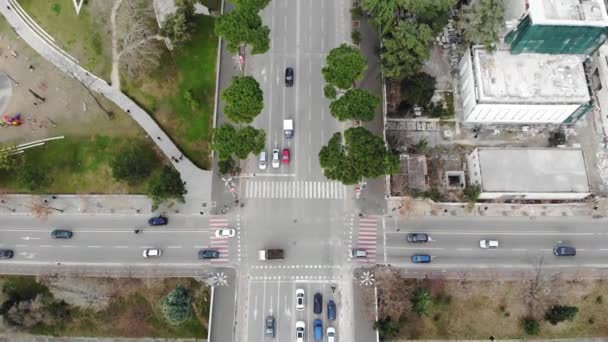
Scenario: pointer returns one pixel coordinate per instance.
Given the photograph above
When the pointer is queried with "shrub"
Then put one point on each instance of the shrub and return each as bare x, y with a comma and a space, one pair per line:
356, 37
557, 138
421, 301
472, 192
133, 163
560, 313
599, 299
530, 325
388, 328
330, 92
177, 306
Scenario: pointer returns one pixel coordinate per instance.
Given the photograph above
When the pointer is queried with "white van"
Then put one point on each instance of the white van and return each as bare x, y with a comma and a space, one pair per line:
263, 160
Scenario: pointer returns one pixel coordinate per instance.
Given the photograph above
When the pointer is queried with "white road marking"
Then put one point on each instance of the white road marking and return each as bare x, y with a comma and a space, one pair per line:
121, 246
68, 246
46, 246
465, 249
174, 247
421, 248
94, 246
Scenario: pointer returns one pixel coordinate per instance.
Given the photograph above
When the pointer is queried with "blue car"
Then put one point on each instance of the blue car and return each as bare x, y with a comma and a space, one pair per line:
421, 258
331, 310
318, 329
158, 221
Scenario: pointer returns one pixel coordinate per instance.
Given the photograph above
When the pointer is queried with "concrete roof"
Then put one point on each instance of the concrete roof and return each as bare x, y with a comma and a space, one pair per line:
569, 12
533, 170
6, 91
529, 78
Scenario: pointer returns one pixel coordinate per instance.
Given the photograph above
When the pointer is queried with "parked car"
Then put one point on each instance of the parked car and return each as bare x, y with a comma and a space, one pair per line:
358, 253
421, 258
318, 329
286, 156
275, 159
417, 237
331, 334
300, 299
158, 221
318, 303
270, 326
300, 326
153, 253
228, 232
564, 251
488, 244
208, 254
61, 234
289, 77
331, 310
263, 160
6, 253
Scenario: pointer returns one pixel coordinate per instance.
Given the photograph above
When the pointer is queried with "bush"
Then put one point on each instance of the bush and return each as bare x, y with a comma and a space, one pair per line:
191, 100
330, 92
133, 163
421, 301
356, 12
530, 325
165, 185
33, 176
228, 166
434, 194
557, 138
177, 306
599, 299
417, 90
388, 328
560, 313
472, 192
356, 37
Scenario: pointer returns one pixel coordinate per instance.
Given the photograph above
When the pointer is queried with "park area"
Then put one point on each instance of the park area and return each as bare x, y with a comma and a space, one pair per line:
108, 307
535, 306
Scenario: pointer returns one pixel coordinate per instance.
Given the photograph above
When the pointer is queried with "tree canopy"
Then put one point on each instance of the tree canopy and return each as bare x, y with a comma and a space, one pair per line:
385, 13
560, 313
228, 141
405, 49
133, 163
480, 23
244, 99
356, 104
344, 65
177, 306
177, 26
166, 184
361, 155
244, 26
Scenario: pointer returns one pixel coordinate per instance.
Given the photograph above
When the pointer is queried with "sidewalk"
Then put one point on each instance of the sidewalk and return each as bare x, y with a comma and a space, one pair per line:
424, 207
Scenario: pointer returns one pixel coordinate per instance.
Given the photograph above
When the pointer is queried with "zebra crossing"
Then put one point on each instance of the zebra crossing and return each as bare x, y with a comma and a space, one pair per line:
221, 244
367, 238
295, 189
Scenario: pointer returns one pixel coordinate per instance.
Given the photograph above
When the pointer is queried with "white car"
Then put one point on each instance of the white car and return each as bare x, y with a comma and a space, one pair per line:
224, 233
263, 158
300, 299
488, 244
276, 162
153, 253
300, 326
331, 334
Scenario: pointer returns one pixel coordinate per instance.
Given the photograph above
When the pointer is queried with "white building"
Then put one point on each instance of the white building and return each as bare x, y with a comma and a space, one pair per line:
599, 85
527, 88
529, 174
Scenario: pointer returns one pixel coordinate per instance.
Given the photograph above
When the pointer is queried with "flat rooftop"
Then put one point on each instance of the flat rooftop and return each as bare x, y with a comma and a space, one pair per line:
529, 78
533, 170
569, 12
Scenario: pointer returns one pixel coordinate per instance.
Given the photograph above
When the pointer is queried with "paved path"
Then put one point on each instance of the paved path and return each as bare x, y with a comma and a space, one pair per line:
33, 338
198, 181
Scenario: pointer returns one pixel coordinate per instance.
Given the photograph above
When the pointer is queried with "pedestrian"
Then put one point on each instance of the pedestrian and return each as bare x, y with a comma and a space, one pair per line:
158, 138
202, 213
181, 157
54, 197
129, 111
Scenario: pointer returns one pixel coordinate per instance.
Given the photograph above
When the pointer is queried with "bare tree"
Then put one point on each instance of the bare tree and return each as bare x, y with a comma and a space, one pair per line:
393, 294
139, 45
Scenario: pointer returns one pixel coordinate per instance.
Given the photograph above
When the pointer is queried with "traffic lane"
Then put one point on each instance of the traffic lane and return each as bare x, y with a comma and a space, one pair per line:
271, 298
502, 225
504, 258
223, 315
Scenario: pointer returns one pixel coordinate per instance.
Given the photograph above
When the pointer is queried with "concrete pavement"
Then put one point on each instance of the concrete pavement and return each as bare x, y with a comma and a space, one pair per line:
198, 181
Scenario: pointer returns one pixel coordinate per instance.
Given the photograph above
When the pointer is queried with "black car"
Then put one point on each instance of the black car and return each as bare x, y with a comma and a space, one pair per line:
318, 303
417, 237
208, 254
564, 251
331, 310
269, 326
62, 234
158, 221
289, 77
6, 254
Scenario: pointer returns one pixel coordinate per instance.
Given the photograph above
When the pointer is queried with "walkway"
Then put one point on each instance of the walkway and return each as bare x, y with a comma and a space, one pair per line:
36, 338
198, 181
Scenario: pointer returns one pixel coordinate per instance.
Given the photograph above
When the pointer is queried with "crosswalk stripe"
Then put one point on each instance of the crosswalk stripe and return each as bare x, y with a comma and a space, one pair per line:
298, 189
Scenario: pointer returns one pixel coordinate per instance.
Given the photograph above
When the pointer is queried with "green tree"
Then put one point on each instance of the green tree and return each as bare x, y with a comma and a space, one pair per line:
228, 166
356, 104
345, 65
133, 163
530, 325
385, 13
472, 192
421, 301
178, 26
389, 328
8, 158
361, 155
33, 176
241, 27
177, 306
481, 22
224, 141
257, 4
330, 91
560, 313
405, 49
249, 140
244, 99
166, 184
417, 90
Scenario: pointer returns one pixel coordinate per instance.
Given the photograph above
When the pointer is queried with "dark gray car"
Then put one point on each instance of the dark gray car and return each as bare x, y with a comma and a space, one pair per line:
564, 251
62, 234
270, 326
417, 237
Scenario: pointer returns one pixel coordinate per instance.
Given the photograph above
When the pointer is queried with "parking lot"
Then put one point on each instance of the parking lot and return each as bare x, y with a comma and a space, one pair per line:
278, 298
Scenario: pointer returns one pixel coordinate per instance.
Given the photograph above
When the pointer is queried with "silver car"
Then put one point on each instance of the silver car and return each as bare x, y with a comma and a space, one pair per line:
153, 253
276, 162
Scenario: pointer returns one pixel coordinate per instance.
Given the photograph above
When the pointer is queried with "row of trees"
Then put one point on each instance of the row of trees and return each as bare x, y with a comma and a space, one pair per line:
243, 26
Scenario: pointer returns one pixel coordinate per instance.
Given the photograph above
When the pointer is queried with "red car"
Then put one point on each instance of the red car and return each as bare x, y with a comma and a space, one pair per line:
285, 156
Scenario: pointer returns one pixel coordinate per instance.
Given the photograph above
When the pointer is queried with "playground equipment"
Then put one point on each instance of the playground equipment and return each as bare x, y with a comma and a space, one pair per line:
14, 120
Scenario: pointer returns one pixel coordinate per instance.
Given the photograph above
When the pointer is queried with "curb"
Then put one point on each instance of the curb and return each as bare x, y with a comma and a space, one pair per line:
210, 313
218, 64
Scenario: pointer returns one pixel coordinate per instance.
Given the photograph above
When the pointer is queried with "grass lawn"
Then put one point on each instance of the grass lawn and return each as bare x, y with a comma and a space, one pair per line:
479, 309
134, 310
86, 36
75, 165
188, 68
